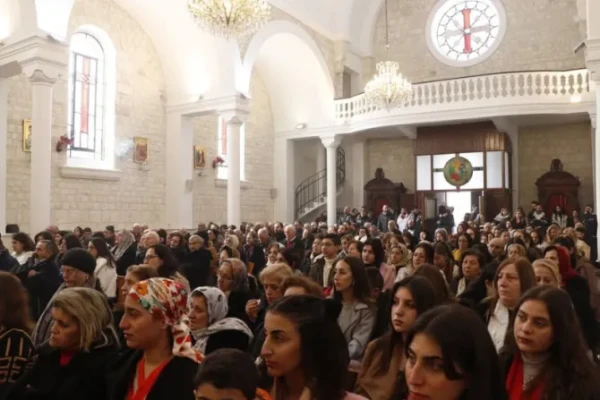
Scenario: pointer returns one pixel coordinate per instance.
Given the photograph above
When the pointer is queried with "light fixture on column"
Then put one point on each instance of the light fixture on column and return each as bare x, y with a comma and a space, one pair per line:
231, 18
388, 89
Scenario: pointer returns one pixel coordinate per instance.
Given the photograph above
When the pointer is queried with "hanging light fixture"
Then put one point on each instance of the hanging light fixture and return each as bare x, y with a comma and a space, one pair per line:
388, 89
231, 18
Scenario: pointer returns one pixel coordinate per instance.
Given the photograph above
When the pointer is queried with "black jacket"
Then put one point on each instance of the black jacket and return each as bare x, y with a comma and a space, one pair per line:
176, 380
7, 262
82, 378
42, 285
196, 267
126, 260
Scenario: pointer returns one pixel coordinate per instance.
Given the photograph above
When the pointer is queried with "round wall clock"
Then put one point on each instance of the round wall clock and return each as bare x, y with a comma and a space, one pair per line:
463, 33
458, 171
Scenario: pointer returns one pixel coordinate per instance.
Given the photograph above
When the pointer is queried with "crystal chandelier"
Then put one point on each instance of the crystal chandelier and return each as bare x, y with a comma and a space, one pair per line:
388, 89
231, 18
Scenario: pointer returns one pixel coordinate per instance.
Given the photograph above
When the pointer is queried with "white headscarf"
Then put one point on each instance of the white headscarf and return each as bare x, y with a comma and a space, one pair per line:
216, 303
126, 239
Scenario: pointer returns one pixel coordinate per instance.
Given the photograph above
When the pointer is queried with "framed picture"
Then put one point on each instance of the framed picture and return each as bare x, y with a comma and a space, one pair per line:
199, 157
27, 135
140, 153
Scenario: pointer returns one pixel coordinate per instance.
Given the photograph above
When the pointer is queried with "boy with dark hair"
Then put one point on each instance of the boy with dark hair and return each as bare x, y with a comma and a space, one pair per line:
227, 374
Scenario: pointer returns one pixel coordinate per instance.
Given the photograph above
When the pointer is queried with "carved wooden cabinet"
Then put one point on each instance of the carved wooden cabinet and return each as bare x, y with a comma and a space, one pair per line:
382, 191
558, 188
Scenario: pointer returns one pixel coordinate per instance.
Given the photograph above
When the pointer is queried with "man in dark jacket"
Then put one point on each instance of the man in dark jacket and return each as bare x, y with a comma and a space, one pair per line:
7, 262
294, 242
384, 218
41, 279
196, 263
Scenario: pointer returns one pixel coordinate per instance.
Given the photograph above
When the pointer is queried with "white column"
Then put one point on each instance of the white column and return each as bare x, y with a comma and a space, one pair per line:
331, 144
321, 156
179, 200
234, 123
41, 152
359, 173
3, 137
283, 181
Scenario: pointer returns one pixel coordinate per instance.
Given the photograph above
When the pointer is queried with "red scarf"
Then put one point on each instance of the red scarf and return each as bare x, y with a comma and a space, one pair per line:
514, 383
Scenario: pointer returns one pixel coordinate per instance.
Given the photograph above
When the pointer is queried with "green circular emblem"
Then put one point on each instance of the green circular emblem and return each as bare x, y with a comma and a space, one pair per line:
458, 171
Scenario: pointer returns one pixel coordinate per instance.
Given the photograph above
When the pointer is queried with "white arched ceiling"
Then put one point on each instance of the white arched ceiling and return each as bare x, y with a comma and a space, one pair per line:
361, 25
195, 63
17, 18
295, 73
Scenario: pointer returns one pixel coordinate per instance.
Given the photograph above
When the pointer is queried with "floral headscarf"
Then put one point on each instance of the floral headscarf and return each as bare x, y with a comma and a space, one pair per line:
167, 300
217, 308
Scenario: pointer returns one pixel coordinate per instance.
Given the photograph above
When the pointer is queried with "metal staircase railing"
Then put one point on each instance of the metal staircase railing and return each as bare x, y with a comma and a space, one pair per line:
313, 190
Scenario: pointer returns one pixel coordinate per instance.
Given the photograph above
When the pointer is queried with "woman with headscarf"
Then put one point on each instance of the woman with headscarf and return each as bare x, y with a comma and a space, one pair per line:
162, 362
211, 329
578, 290
124, 251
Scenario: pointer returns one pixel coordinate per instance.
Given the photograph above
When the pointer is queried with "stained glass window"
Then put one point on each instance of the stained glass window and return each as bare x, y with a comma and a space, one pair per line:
464, 32
86, 98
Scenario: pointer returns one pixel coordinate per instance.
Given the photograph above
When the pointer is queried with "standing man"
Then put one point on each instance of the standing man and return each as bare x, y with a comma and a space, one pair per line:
384, 218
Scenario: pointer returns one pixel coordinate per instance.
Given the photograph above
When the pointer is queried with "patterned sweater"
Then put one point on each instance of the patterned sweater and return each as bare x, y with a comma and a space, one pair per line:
16, 357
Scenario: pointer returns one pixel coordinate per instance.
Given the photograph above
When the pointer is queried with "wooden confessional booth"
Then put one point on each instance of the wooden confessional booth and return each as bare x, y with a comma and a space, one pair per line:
463, 166
558, 188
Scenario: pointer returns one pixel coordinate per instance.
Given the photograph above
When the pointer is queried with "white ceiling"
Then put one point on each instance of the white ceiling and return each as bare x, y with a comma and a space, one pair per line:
350, 20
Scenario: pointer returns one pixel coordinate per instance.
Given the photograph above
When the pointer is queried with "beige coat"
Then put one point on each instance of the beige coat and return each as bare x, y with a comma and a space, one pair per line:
377, 387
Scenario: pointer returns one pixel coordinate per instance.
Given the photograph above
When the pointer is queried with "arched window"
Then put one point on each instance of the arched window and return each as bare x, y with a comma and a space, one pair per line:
222, 150
92, 86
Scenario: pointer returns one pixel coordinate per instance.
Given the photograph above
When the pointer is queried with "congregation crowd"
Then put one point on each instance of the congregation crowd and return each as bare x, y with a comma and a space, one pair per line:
387, 307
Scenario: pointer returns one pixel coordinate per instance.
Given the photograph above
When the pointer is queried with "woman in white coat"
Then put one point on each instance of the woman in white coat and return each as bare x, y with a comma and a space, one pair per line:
106, 271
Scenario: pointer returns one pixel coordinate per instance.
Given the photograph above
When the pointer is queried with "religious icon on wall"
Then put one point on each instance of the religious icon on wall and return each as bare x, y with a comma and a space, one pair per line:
199, 157
140, 153
27, 135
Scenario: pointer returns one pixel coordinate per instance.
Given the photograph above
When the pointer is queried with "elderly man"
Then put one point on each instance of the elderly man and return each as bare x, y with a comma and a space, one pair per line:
197, 263
292, 241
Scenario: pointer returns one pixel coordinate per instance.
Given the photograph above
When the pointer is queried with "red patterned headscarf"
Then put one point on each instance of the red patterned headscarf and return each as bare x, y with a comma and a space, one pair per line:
167, 300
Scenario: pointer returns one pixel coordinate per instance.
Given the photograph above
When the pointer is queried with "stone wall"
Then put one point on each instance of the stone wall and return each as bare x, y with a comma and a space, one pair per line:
139, 194
540, 35
210, 201
539, 145
396, 157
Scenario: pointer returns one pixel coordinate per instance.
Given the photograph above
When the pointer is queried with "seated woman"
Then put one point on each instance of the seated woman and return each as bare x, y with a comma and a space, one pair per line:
16, 325
166, 265
23, 247
384, 361
210, 328
162, 362
436, 369
301, 285
545, 356
357, 317
106, 268
471, 266
271, 278
228, 374
514, 277
83, 343
301, 333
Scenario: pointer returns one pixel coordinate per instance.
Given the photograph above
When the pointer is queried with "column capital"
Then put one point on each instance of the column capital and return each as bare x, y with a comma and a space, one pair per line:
39, 77
331, 141
235, 118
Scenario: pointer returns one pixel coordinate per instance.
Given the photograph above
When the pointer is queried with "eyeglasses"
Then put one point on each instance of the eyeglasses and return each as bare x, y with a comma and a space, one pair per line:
150, 257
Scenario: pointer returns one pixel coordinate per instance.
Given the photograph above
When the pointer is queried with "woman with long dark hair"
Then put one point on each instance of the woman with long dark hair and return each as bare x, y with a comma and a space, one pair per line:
382, 370
106, 271
16, 325
68, 242
351, 289
545, 355
450, 356
23, 247
373, 255
444, 260
161, 259
304, 355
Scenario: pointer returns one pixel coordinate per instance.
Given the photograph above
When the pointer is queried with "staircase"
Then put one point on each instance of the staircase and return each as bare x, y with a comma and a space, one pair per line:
311, 194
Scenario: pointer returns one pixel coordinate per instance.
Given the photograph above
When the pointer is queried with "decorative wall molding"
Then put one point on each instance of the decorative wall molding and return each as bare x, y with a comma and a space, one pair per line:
70, 172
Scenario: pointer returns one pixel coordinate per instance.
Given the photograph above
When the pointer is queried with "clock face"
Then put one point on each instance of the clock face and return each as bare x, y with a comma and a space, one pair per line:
463, 31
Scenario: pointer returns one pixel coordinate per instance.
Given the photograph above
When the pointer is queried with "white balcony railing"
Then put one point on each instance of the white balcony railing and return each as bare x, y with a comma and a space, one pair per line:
465, 92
